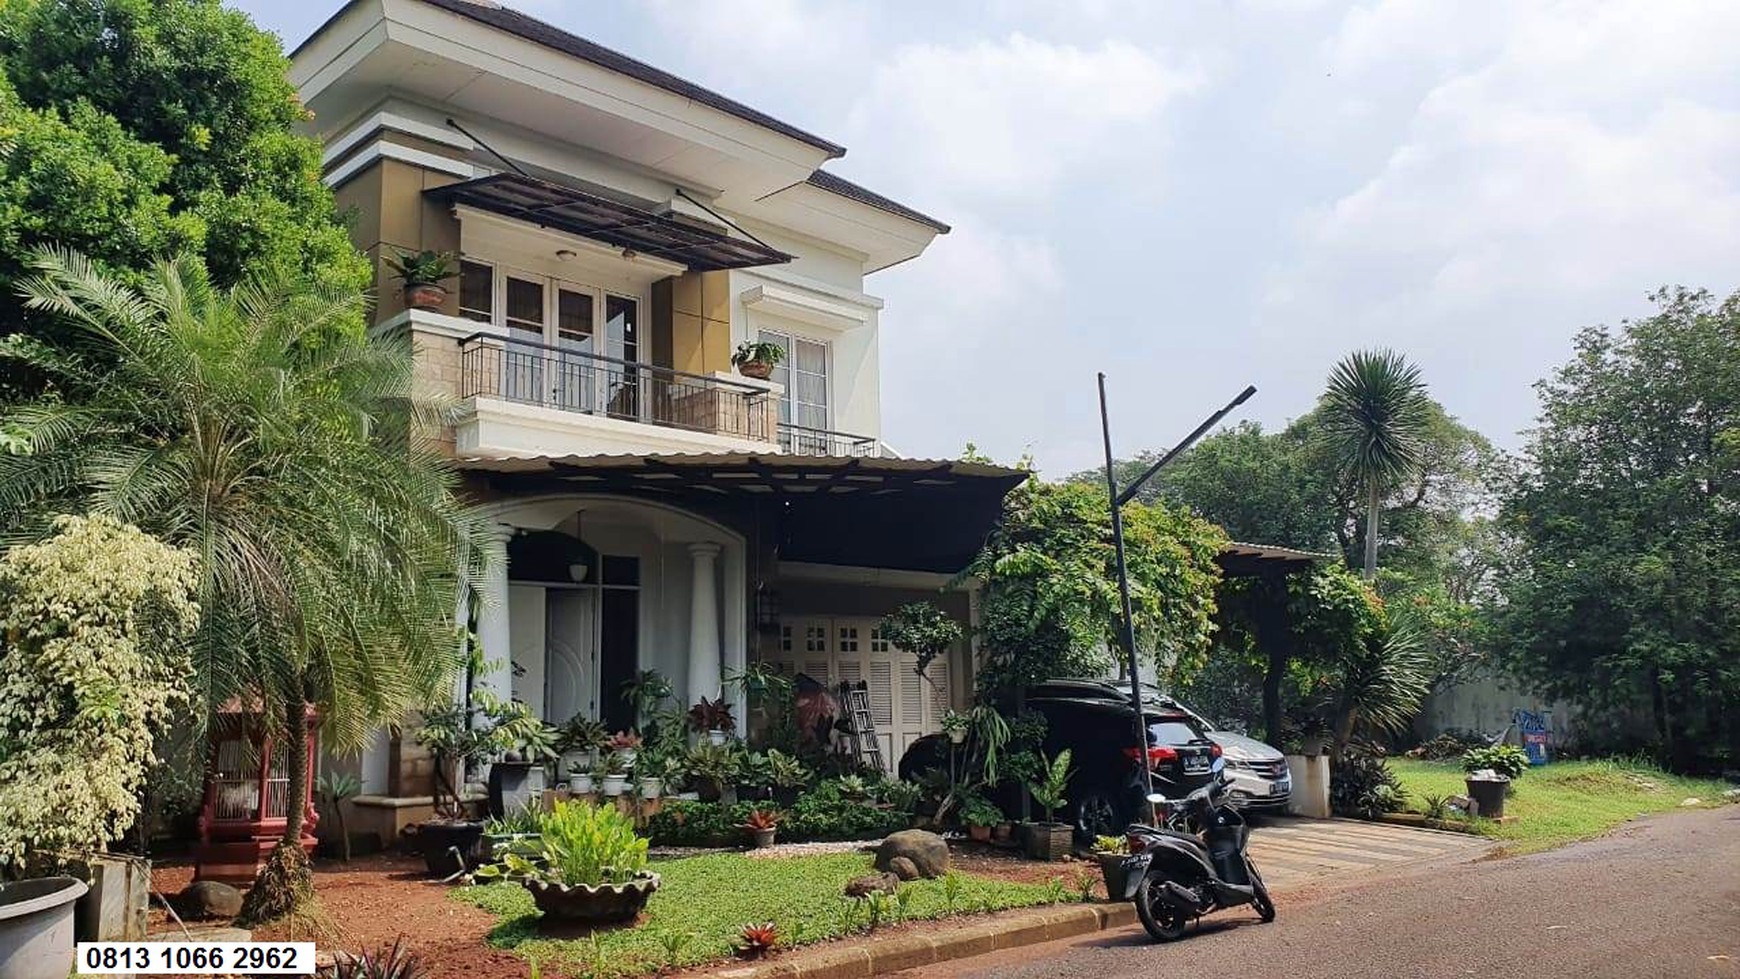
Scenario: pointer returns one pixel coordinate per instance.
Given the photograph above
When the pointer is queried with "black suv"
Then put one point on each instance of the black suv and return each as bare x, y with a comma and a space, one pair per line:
1093, 719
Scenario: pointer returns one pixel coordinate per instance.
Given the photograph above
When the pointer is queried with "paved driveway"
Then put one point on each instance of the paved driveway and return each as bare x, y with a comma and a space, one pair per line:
1291, 852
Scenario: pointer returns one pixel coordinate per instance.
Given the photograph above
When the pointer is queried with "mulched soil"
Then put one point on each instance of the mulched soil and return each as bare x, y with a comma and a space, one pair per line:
373, 901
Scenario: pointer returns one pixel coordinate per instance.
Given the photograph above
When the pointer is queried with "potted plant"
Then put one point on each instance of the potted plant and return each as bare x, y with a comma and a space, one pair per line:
757, 358
1003, 832
625, 745
423, 272
853, 787
645, 693
789, 776
516, 780
761, 825
36, 925
955, 724
713, 769
1110, 851
712, 719
581, 782
517, 832
1051, 840
578, 743
615, 780
979, 815
754, 776
458, 736
590, 867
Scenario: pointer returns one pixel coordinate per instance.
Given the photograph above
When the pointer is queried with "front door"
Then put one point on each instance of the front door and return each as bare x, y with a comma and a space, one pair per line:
572, 673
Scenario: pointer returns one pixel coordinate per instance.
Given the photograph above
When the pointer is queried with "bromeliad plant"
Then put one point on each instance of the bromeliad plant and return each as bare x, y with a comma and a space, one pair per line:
711, 715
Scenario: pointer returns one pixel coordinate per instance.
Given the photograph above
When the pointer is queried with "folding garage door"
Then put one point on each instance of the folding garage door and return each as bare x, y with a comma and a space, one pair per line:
903, 705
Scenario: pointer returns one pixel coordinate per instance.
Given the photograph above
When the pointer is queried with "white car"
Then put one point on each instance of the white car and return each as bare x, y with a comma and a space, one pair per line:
1255, 772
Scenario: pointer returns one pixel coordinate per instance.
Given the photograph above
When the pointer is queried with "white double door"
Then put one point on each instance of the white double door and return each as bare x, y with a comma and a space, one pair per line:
903, 705
555, 649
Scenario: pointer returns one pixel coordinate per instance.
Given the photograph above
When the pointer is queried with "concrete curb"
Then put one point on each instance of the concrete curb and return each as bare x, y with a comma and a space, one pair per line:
910, 951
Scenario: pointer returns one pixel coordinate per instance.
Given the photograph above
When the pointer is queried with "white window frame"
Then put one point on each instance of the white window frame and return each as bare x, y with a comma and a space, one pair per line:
789, 395
552, 285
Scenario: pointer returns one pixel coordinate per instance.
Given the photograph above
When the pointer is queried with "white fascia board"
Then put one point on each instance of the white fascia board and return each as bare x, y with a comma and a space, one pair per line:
784, 275
515, 59
394, 122
381, 149
490, 428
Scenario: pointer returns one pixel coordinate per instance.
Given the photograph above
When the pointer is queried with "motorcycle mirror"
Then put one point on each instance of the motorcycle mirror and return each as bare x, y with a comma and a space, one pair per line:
1156, 798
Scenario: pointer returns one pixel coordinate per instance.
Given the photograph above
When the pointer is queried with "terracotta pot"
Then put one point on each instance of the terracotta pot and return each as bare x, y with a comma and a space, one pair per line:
979, 834
1002, 832
425, 295
761, 370
606, 902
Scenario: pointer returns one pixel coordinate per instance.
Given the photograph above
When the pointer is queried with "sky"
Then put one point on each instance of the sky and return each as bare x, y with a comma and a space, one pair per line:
1196, 195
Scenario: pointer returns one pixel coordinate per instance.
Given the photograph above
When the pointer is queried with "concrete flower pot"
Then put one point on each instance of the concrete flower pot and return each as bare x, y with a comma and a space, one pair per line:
606, 902
36, 927
1049, 841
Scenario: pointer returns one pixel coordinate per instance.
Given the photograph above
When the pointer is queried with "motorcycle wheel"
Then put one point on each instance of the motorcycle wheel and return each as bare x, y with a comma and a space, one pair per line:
1164, 922
1261, 901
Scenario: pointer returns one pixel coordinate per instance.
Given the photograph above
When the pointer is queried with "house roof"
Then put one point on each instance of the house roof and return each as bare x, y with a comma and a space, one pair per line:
834, 184
1248, 560
507, 19
588, 215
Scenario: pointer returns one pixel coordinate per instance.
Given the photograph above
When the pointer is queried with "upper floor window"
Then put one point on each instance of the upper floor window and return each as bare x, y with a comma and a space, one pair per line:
477, 291
804, 373
551, 311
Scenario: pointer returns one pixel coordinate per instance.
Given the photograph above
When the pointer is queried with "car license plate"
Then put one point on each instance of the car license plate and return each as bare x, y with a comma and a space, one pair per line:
1195, 765
1279, 788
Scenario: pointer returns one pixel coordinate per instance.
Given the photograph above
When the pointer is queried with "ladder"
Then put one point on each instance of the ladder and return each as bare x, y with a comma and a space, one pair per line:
865, 744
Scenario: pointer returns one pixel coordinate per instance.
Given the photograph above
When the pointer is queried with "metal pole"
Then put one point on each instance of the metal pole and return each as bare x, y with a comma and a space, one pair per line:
1117, 501
1145, 774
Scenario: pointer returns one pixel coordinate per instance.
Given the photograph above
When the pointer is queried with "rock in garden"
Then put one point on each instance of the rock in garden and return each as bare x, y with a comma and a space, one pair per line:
871, 884
927, 851
1691, 802
204, 899
904, 868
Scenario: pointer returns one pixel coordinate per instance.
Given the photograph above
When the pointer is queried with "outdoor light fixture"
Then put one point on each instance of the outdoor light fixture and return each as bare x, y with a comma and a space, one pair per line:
565, 254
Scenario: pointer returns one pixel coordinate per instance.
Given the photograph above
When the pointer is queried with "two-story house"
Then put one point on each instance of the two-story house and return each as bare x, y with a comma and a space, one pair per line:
621, 231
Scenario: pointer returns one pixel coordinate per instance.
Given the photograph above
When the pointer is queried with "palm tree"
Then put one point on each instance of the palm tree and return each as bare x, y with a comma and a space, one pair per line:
1381, 684
258, 428
1374, 415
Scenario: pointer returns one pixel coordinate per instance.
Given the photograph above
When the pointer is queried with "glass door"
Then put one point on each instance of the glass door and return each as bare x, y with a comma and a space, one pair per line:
523, 370
623, 397
577, 373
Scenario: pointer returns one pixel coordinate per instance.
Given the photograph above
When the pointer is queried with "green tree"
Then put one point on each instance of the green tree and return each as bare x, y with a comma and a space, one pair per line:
1372, 421
326, 525
1050, 603
94, 622
131, 130
1624, 591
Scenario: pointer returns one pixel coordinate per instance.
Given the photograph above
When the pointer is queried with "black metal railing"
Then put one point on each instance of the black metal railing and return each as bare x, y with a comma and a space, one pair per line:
539, 374
799, 440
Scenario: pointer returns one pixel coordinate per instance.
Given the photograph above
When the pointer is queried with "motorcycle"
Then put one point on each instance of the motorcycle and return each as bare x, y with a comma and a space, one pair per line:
1194, 863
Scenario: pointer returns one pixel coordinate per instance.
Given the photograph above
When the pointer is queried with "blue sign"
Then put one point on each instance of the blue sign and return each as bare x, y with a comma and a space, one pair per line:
1536, 735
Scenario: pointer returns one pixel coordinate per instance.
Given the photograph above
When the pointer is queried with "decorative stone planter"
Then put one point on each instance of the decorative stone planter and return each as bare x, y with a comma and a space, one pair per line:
36, 927
1049, 841
606, 902
615, 785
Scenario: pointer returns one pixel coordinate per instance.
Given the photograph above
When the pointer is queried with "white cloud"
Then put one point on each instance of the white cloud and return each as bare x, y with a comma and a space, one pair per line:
1009, 118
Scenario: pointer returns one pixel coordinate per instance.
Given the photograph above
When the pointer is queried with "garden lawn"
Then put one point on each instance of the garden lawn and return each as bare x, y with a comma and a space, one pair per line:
704, 902
1565, 801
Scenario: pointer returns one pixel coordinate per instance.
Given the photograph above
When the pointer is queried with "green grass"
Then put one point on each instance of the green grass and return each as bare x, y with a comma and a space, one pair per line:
1564, 801
710, 898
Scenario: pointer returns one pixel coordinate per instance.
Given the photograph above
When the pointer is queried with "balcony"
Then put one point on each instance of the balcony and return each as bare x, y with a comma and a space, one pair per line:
715, 413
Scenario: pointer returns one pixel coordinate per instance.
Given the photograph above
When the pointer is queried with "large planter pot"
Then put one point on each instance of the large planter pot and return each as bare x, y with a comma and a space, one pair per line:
1488, 795
979, 834
1112, 870
1049, 841
36, 927
439, 840
761, 839
606, 902
514, 785
614, 785
425, 295
575, 762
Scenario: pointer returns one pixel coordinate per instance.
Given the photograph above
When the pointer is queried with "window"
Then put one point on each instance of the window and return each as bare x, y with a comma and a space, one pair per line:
477, 291
525, 309
804, 374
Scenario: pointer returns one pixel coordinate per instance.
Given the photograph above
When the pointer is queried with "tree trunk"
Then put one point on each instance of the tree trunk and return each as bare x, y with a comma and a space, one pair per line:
1374, 501
296, 770
1275, 638
285, 885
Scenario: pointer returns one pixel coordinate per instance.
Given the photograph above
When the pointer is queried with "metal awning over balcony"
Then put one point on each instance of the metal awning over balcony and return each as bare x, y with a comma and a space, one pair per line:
577, 212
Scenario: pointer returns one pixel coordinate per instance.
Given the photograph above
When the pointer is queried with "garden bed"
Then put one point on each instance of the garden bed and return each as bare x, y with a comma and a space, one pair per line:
705, 901
1565, 801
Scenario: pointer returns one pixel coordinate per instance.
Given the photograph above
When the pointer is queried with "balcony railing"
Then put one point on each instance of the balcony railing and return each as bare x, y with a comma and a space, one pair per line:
570, 380
533, 373
802, 441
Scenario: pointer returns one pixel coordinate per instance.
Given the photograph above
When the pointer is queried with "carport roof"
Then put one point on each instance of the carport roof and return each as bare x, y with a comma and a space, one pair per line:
1241, 560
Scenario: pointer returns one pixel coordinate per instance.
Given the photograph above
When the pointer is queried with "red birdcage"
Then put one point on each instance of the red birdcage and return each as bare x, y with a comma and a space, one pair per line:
247, 796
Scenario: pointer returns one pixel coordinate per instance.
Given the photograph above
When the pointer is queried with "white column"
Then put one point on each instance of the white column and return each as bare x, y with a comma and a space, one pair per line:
492, 620
704, 661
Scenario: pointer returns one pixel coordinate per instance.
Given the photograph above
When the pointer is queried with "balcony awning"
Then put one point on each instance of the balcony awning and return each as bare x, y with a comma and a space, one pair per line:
910, 514
577, 212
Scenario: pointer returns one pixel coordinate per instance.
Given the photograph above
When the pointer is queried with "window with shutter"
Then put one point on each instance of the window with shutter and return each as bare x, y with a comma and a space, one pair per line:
882, 694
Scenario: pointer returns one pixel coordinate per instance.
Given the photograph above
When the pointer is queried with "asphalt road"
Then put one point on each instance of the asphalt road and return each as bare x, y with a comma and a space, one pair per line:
1657, 899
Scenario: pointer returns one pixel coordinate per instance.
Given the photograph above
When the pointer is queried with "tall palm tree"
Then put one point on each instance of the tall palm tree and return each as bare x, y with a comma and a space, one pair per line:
258, 428
1374, 415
